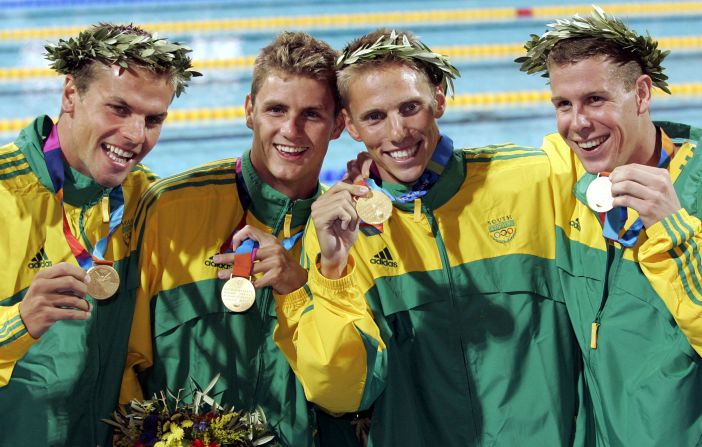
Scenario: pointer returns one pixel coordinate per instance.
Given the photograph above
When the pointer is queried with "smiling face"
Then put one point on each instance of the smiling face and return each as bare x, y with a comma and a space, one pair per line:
605, 124
108, 128
393, 110
293, 120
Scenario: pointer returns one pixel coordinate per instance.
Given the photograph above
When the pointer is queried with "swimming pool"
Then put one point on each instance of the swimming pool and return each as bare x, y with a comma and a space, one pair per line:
494, 102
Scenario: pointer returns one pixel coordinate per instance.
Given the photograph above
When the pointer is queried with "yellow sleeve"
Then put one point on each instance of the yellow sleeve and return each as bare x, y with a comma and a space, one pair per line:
327, 332
15, 341
670, 259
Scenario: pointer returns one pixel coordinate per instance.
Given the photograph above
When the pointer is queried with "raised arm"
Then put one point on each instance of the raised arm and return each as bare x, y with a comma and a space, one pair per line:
326, 329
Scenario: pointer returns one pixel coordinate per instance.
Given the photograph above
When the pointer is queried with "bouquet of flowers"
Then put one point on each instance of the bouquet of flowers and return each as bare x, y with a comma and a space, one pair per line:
168, 421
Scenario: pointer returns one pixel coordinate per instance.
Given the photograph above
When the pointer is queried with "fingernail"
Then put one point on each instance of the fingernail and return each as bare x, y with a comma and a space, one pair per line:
362, 189
216, 259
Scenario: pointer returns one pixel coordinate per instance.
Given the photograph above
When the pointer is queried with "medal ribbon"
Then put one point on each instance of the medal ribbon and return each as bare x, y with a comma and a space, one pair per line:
614, 219
55, 165
245, 254
244, 258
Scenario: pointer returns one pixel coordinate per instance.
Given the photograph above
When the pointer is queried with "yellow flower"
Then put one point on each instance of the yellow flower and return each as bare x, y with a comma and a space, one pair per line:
175, 437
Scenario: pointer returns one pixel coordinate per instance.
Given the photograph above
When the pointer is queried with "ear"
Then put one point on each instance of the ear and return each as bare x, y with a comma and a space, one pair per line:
644, 90
440, 99
350, 127
338, 126
248, 108
70, 95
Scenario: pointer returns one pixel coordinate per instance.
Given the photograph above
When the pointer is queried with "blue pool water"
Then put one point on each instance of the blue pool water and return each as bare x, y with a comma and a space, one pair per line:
186, 144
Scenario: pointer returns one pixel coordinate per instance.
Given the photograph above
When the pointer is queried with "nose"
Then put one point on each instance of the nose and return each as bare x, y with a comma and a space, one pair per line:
398, 131
580, 121
135, 130
291, 127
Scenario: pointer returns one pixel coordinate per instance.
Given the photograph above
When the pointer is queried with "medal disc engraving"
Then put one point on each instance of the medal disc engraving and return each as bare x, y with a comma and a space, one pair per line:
238, 294
599, 195
104, 281
375, 208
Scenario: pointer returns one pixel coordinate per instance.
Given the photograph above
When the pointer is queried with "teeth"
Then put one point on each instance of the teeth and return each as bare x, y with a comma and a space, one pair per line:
592, 143
289, 149
402, 153
115, 151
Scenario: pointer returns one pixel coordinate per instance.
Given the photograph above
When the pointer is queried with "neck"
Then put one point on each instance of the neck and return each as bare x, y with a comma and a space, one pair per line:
63, 127
295, 190
648, 153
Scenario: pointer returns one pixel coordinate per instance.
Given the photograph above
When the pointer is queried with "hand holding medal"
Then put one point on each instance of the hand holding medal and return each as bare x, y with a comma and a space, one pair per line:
56, 293
268, 257
336, 221
646, 189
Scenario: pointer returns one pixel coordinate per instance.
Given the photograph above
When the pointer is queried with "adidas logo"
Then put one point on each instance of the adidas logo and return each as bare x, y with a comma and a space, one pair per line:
383, 257
40, 260
210, 263
575, 223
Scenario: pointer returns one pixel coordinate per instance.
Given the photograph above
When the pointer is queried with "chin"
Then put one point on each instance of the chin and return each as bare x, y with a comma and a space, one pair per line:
111, 181
409, 176
596, 167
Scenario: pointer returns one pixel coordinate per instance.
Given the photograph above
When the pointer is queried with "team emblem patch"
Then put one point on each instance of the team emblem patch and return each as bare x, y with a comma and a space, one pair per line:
503, 229
127, 231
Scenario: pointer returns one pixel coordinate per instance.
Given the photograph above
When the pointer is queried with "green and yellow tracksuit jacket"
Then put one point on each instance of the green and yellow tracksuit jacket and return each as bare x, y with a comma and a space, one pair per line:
645, 373
181, 328
470, 346
55, 390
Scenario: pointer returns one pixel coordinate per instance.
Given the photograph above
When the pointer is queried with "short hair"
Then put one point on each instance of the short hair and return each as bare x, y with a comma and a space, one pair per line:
347, 72
573, 50
297, 53
128, 46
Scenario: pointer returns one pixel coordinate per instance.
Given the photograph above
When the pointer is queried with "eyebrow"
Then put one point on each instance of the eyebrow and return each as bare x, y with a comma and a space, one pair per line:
592, 93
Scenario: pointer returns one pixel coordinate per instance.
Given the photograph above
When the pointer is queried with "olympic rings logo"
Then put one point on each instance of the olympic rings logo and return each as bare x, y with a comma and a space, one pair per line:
504, 235
503, 232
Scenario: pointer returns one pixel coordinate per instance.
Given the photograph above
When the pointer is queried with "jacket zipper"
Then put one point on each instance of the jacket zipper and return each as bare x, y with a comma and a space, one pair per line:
266, 297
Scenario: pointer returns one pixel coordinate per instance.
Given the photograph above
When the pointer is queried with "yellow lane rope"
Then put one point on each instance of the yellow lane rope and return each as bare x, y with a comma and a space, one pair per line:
463, 52
390, 18
512, 99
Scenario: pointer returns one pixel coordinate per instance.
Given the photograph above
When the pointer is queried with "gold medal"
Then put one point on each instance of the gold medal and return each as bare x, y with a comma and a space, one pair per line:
104, 281
599, 195
375, 208
238, 294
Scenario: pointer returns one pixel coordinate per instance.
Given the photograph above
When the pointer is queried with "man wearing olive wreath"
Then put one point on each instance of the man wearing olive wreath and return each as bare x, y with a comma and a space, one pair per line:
436, 313
197, 317
69, 191
629, 262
